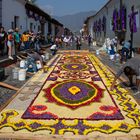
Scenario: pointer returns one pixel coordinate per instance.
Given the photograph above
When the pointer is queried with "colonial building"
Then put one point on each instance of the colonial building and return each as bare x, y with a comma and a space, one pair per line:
37, 19
57, 28
67, 31
13, 14
116, 18
27, 16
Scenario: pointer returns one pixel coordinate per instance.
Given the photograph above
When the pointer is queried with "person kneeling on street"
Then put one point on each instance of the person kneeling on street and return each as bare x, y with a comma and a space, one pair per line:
33, 60
130, 68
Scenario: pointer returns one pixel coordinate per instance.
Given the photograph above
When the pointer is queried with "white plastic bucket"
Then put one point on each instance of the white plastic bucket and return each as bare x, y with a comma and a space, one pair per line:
15, 72
117, 56
38, 64
94, 43
97, 52
43, 57
47, 56
22, 64
112, 57
22, 75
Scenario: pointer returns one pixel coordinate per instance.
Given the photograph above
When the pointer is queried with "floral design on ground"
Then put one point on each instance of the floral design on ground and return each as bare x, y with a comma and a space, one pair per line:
38, 112
74, 67
73, 93
75, 59
74, 75
12, 118
95, 76
78, 127
109, 113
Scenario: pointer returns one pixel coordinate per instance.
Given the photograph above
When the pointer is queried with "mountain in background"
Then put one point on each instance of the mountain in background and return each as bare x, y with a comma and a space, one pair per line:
75, 21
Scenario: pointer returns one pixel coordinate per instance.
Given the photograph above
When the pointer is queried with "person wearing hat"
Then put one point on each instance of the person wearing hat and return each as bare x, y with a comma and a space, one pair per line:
10, 43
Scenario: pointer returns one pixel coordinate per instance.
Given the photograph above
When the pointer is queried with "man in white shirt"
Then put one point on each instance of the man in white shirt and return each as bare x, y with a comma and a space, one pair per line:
53, 49
66, 40
114, 42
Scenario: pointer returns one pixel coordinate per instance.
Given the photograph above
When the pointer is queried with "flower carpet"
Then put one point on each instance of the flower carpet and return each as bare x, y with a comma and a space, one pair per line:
74, 98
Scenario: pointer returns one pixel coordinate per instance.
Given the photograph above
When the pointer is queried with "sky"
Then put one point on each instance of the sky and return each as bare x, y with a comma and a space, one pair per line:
68, 7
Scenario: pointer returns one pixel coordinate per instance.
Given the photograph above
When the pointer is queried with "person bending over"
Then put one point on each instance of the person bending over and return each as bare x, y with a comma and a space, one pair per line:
32, 58
130, 68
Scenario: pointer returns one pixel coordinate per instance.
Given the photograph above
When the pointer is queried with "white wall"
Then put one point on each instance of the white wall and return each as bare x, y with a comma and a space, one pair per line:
11, 8
114, 4
90, 27
128, 4
35, 24
53, 29
61, 31
46, 29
